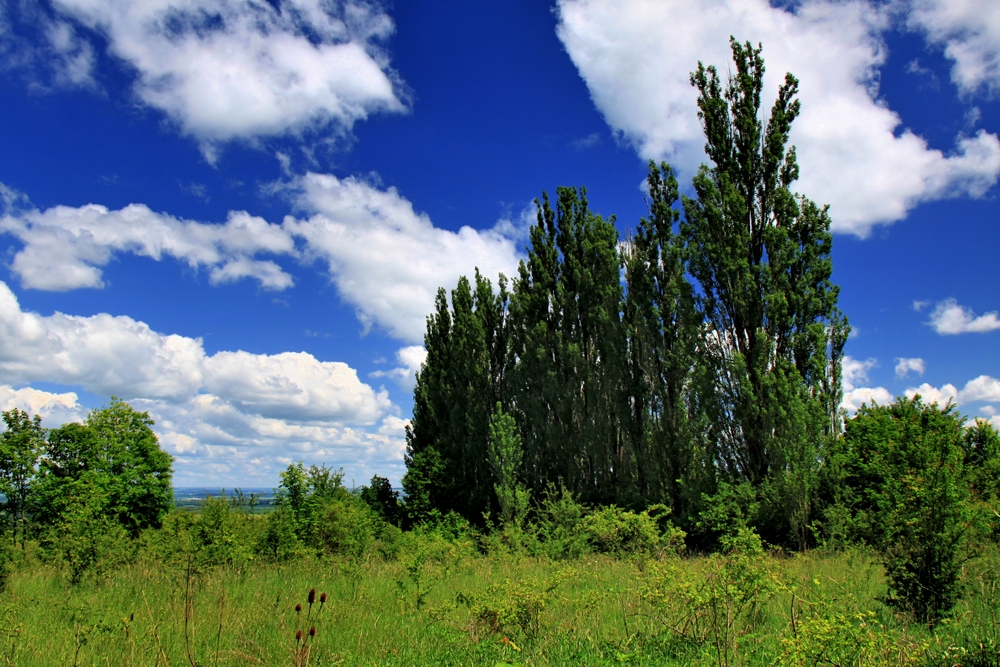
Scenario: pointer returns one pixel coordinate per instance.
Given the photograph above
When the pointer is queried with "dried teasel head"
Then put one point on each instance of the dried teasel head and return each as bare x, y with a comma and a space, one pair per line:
322, 598
312, 631
298, 609
312, 595
298, 636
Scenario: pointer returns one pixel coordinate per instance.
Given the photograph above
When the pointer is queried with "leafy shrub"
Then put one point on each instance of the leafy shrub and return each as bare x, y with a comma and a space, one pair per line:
613, 530
346, 526
512, 607
557, 529
837, 638
718, 608
224, 532
86, 538
905, 464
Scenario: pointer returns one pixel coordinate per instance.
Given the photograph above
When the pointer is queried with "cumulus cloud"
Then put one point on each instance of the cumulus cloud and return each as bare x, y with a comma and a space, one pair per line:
117, 355
54, 409
411, 358
223, 416
949, 318
635, 58
854, 372
64, 247
228, 69
981, 389
905, 366
969, 31
386, 259
856, 398
212, 438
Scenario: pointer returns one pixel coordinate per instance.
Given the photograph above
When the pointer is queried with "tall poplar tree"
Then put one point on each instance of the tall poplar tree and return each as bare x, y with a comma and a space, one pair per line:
568, 342
457, 389
761, 256
669, 382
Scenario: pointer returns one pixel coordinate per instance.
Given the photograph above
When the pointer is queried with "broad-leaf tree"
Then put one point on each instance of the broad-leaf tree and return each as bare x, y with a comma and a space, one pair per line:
20, 445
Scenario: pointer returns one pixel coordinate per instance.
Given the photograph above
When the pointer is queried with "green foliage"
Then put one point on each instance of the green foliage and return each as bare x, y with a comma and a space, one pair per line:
512, 607
457, 388
225, 531
568, 341
20, 445
86, 538
558, 532
722, 606
668, 377
903, 479
381, 497
505, 455
423, 484
132, 468
613, 530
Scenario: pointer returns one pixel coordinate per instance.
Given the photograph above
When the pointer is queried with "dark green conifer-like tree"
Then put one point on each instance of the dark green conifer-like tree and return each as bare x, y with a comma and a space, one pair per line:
461, 380
669, 380
568, 342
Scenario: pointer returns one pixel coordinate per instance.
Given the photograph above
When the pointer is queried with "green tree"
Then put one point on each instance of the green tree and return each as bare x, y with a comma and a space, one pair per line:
761, 257
20, 446
461, 379
383, 499
505, 456
903, 464
71, 455
133, 468
669, 380
568, 342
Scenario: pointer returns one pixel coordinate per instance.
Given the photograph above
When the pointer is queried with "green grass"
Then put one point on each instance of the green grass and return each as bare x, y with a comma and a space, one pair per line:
487, 611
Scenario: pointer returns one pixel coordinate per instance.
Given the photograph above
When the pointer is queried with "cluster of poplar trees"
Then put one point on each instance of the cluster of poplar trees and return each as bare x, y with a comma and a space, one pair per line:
701, 352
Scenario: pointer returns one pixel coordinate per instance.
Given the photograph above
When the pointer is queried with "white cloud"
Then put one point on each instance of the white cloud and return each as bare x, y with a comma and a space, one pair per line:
636, 56
931, 394
228, 69
231, 415
855, 371
213, 439
55, 409
117, 355
64, 247
969, 30
905, 366
854, 399
949, 317
983, 388
387, 260
293, 385
411, 359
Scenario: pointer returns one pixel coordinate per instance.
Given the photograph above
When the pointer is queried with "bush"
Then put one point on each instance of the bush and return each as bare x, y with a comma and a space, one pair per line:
86, 538
613, 530
905, 463
557, 530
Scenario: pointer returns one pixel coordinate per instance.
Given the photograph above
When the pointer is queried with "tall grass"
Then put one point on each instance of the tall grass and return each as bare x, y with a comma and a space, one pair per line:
460, 608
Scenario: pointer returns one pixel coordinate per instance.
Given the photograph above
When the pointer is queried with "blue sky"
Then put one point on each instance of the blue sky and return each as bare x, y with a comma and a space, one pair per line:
235, 214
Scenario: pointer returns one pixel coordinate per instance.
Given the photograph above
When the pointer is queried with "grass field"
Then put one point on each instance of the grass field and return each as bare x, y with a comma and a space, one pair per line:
450, 606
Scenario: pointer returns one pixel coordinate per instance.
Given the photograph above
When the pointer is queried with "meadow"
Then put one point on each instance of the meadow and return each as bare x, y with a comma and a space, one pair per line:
443, 602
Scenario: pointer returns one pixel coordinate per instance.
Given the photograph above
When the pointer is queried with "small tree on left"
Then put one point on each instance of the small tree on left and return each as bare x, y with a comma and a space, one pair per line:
20, 445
